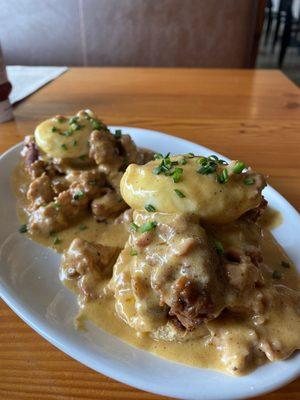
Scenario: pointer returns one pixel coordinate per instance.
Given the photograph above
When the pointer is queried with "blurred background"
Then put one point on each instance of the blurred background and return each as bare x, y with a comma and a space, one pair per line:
173, 33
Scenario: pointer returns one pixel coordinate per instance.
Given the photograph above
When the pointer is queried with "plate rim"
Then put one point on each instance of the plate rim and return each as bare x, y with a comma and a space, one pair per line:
105, 369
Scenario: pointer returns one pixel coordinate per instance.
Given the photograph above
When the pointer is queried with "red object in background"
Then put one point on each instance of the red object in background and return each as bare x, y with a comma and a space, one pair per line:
5, 89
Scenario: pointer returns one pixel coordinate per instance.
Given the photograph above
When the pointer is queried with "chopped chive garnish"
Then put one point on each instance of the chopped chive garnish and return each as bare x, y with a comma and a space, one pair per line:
78, 195
179, 193
213, 157
82, 227
54, 129
191, 155
285, 264
23, 228
68, 132
182, 161
158, 156
249, 181
202, 160
207, 169
177, 174
118, 133
64, 146
133, 227
150, 208
73, 120
74, 143
223, 177
133, 252
219, 247
95, 124
276, 275
156, 170
238, 167
56, 205
76, 127
60, 120
148, 226
56, 241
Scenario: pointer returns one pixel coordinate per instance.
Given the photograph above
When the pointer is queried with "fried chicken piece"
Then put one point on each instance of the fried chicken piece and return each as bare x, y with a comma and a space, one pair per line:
110, 204
87, 265
174, 272
40, 192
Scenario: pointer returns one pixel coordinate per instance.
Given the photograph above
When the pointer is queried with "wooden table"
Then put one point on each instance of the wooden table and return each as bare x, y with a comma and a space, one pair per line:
249, 115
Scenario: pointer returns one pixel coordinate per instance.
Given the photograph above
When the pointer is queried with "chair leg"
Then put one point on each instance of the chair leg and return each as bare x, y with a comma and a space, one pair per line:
278, 21
286, 37
269, 25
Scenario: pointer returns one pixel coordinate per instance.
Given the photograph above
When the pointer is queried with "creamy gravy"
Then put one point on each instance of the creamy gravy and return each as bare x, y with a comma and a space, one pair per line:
87, 227
284, 322
201, 352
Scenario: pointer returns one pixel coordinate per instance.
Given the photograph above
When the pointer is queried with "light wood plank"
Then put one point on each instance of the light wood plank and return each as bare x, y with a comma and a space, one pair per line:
250, 115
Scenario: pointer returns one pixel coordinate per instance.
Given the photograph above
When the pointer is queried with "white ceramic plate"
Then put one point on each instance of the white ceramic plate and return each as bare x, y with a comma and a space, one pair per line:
29, 284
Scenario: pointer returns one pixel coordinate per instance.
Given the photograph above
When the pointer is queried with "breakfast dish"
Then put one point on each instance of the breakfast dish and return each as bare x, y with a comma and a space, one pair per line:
169, 253
74, 166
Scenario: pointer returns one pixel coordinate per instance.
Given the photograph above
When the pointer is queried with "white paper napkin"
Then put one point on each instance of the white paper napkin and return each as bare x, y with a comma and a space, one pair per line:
26, 80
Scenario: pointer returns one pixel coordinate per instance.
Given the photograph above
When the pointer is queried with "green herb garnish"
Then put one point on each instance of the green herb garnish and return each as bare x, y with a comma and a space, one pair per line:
23, 228
207, 169
179, 193
118, 133
73, 120
208, 165
182, 161
156, 170
74, 143
150, 208
148, 226
56, 241
238, 167
76, 127
219, 247
64, 146
223, 177
134, 227
56, 205
177, 174
167, 167
96, 124
68, 132
60, 120
249, 181
276, 275
54, 129
285, 264
78, 195
133, 252
82, 227
191, 155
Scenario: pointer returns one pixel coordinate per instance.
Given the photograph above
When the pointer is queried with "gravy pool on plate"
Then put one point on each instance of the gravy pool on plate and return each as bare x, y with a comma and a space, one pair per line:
170, 254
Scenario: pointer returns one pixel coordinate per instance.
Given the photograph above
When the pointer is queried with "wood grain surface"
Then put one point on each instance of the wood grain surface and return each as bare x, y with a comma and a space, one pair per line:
249, 115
